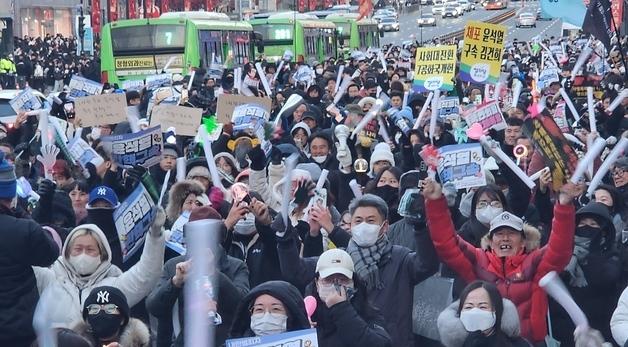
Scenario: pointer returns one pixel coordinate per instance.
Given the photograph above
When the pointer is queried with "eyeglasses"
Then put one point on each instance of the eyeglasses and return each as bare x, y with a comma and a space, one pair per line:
108, 308
618, 172
484, 204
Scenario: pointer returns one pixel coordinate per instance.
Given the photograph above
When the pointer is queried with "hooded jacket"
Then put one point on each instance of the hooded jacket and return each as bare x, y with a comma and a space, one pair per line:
134, 334
453, 334
71, 289
619, 321
516, 277
284, 292
24, 244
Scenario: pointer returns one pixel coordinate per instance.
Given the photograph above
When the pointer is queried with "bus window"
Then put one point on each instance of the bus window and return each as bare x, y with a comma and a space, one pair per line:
239, 43
328, 43
148, 38
363, 39
211, 44
310, 41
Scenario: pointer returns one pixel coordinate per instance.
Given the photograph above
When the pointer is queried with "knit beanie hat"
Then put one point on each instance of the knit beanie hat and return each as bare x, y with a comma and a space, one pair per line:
107, 295
381, 152
8, 182
301, 125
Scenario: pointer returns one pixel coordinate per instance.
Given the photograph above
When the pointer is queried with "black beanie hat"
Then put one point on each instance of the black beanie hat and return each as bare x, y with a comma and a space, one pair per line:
107, 295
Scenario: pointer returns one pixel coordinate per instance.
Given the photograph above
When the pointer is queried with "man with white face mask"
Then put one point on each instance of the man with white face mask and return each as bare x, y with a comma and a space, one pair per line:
389, 272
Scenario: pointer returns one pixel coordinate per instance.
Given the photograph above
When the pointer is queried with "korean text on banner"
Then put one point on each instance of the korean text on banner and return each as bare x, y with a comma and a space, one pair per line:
305, 337
547, 76
462, 165
82, 152
481, 57
228, 102
155, 81
25, 101
249, 116
561, 118
185, 120
133, 218
449, 108
434, 69
100, 109
553, 147
488, 115
133, 85
80, 87
141, 148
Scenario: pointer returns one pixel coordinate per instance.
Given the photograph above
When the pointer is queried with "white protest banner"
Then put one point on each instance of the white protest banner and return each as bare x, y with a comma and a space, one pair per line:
133, 218
141, 148
133, 85
184, 119
156, 81
100, 109
80, 87
249, 116
561, 118
449, 108
25, 101
547, 76
306, 337
83, 152
462, 165
228, 102
176, 239
488, 115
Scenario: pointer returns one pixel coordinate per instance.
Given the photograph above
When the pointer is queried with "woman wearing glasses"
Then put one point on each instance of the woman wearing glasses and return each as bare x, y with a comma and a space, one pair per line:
106, 320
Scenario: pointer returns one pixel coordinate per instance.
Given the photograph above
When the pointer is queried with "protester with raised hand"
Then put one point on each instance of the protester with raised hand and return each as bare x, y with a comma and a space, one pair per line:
509, 259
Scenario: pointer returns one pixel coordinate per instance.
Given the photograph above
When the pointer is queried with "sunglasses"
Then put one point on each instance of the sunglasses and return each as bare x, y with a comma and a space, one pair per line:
108, 308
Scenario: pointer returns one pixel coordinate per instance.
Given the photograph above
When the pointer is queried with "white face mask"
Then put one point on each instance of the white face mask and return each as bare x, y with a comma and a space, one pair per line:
95, 133
319, 159
319, 71
245, 226
486, 215
84, 264
268, 323
365, 234
476, 319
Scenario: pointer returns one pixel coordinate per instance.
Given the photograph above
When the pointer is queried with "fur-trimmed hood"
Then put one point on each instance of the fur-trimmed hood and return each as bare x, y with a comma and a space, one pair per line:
532, 238
178, 192
134, 334
453, 334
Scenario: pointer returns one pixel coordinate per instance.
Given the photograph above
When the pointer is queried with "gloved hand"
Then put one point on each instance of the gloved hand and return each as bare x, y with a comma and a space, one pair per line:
589, 337
258, 158
305, 190
156, 229
134, 176
46, 190
344, 157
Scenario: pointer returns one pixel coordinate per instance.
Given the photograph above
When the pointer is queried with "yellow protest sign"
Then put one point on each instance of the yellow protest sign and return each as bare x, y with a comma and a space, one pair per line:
481, 56
434, 68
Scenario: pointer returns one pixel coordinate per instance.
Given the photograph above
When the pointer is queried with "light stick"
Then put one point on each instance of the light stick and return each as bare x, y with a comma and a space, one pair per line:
368, 117
618, 150
594, 150
423, 109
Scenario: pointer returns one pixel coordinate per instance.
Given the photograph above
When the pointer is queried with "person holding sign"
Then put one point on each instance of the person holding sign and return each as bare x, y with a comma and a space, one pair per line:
508, 259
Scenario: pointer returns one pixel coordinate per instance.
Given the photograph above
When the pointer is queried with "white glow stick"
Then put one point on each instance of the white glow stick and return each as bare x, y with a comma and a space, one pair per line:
423, 109
262, 78
586, 52
170, 61
569, 103
290, 164
57, 126
486, 92
573, 139
382, 60
435, 103
591, 107
368, 117
552, 284
589, 157
209, 156
356, 73
618, 100
164, 187
341, 69
43, 127
181, 169
515, 94
405, 98
355, 188
277, 72
486, 141
538, 174
292, 101
343, 87
382, 129
498, 89
191, 80
550, 53
322, 179
237, 78
618, 150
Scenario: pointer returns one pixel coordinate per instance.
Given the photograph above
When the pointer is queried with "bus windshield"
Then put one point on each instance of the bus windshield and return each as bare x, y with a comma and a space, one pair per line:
276, 32
148, 38
344, 29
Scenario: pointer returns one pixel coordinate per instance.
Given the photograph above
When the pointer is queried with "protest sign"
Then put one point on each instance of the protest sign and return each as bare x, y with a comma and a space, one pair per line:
81, 87
553, 147
449, 108
228, 102
488, 115
481, 57
249, 117
156, 81
185, 120
547, 76
82, 152
141, 148
300, 338
434, 68
176, 239
561, 118
25, 101
133, 85
133, 218
100, 109
462, 165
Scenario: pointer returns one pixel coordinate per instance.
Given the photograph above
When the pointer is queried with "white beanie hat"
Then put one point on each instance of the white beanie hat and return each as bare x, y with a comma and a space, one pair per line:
381, 152
303, 126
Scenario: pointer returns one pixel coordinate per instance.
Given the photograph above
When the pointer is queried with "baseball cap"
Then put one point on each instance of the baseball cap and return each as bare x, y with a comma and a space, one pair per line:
103, 193
334, 261
506, 219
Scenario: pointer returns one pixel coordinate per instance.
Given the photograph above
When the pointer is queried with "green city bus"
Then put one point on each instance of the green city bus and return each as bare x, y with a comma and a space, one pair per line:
136, 48
355, 34
306, 36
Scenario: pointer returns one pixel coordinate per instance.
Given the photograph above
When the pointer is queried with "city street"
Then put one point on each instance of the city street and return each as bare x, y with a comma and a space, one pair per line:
408, 26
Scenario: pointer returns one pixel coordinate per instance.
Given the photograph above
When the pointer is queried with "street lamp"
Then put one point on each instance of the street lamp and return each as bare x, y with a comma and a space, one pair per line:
81, 26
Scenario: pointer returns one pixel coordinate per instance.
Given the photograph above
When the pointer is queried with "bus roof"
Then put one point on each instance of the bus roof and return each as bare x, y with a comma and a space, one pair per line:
318, 24
292, 15
321, 14
204, 24
196, 15
346, 17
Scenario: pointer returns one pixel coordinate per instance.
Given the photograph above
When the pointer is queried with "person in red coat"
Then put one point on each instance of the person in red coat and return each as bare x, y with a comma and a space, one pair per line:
507, 262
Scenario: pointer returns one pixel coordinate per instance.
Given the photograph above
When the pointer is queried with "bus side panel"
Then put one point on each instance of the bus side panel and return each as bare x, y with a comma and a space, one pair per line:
191, 57
107, 63
354, 40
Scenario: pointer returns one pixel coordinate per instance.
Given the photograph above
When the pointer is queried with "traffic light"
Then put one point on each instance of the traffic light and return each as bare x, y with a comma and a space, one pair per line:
81, 26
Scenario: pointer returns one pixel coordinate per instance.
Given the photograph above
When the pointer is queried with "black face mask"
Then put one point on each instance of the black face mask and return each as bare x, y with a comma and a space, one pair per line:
388, 193
103, 218
104, 326
588, 231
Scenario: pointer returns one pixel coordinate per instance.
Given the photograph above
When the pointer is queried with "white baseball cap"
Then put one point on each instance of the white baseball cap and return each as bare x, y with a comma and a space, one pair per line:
334, 261
506, 219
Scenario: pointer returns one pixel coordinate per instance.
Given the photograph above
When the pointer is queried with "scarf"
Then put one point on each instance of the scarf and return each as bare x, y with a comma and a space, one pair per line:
366, 259
580, 253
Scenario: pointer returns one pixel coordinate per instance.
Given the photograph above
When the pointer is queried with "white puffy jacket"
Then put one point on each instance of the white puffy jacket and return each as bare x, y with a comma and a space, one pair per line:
619, 321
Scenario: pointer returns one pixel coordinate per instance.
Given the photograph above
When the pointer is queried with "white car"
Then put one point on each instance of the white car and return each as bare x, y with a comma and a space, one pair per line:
466, 5
388, 24
426, 19
7, 114
526, 20
455, 4
438, 9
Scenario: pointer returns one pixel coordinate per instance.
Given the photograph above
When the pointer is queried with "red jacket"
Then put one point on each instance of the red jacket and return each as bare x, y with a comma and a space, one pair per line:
517, 277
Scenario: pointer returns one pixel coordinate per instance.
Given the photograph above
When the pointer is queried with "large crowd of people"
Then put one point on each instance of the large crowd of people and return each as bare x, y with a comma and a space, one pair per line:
299, 211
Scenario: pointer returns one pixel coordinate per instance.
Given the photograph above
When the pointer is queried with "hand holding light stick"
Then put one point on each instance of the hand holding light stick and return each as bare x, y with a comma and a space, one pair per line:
343, 87
262, 78
290, 164
569, 103
617, 101
341, 69
552, 284
618, 150
428, 100
582, 58
496, 151
592, 153
515, 93
435, 104
368, 117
